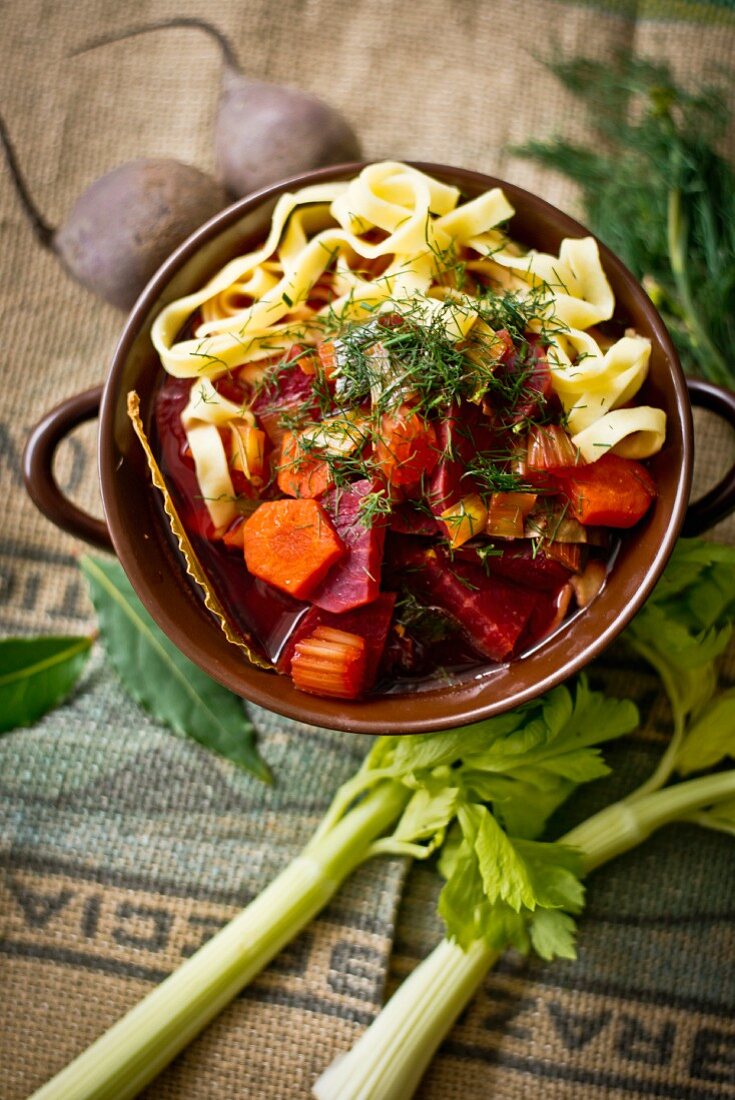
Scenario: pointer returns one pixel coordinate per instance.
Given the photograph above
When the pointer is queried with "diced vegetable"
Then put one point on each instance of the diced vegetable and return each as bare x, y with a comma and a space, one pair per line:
406, 449
330, 662
355, 580
309, 364
291, 544
301, 472
588, 584
537, 388
408, 519
328, 357
461, 435
521, 385
551, 521
465, 519
507, 513
568, 554
339, 435
491, 612
524, 564
612, 492
286, 389
550, 446
370, 622
486, 347
248, 452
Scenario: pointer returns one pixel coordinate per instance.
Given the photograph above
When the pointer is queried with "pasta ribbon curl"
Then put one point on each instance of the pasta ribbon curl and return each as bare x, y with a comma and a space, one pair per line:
388, 239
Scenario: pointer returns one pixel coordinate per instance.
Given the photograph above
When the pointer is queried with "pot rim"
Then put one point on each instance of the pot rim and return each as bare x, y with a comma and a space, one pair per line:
473, 697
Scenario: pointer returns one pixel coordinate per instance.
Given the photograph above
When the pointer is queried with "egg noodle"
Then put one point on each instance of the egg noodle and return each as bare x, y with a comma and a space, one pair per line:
384, 240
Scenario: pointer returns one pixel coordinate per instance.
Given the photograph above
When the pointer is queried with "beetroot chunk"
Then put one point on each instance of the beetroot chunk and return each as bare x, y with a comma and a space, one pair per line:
522, 386
286, 390
370, 622
406, 519
520, 564
491, 611
460, 435
355, 580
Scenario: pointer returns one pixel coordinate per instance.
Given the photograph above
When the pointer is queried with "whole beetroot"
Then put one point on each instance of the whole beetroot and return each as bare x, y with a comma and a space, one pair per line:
122, 228
263, 132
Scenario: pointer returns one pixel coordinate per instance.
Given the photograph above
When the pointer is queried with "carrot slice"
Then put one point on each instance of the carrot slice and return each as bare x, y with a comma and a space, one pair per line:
407, 447
330, 662
328, 353
612, 492
301, 473
309, 364
291, 544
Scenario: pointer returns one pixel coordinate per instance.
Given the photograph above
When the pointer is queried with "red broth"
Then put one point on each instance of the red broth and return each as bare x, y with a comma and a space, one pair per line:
527, 586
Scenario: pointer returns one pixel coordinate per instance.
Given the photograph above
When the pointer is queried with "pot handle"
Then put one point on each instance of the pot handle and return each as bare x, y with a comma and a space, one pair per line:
719, 501
38, 468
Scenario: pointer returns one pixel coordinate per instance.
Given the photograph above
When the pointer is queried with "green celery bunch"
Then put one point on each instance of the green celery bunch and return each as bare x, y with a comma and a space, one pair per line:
405, 799
656, 190
502, 888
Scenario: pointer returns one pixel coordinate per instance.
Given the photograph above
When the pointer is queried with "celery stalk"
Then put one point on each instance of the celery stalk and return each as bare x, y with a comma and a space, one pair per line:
389, 1059
123, 1060
626, 824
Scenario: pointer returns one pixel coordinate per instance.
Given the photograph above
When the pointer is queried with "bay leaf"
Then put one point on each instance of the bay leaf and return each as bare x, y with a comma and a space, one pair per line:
161, 678
36, 674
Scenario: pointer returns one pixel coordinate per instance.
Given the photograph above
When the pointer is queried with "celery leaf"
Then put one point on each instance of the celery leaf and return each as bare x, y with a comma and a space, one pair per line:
503, 870
553, 934
711, 738
427, 815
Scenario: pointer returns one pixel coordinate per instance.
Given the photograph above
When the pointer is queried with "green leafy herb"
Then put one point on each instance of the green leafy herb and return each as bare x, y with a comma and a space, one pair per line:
161, 678
656, 190
36, 674
682, 630
428, 624
711, 738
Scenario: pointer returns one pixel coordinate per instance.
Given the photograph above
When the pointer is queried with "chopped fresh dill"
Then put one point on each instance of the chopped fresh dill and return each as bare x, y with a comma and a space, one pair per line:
373, 506
427, 623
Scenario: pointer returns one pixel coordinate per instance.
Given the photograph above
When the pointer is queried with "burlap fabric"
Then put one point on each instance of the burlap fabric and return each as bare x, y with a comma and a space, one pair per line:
122, 846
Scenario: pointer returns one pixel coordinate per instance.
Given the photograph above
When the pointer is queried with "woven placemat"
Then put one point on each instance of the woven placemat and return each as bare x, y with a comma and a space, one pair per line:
122, 846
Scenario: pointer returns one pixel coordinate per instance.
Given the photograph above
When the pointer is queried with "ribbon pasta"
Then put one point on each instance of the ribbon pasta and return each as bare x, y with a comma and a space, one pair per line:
382, 240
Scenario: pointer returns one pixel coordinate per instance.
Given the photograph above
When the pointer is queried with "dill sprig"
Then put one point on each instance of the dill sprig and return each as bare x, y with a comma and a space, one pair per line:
428, 624
656, 190
492, 474
406, 350
374, 506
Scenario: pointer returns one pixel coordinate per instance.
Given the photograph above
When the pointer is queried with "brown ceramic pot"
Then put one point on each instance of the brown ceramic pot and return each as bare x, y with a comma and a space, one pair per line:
137, 531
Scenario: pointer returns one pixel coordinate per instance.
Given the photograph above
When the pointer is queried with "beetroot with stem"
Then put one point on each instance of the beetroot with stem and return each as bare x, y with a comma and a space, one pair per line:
263, 131
126, 223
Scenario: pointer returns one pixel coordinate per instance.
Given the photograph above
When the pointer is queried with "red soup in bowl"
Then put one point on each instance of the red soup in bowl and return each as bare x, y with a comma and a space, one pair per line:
430, 443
